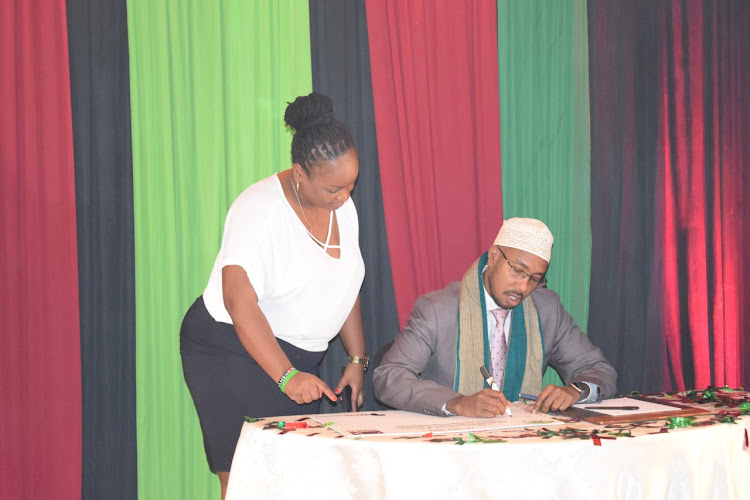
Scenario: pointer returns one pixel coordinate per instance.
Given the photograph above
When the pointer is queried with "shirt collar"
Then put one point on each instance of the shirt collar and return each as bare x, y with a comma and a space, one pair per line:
488, 300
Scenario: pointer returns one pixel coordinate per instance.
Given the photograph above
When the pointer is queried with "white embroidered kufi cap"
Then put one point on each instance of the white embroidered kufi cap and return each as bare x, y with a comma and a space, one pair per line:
529, 235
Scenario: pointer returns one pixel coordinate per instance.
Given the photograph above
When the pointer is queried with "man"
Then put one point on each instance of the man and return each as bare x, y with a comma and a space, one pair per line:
500, 316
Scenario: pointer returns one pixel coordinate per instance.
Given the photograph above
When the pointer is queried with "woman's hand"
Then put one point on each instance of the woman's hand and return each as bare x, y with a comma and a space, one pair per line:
354, 377
353, 338
305, 388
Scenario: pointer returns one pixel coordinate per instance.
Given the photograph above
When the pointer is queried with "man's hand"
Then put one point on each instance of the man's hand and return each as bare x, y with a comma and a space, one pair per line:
555, 398
485, 403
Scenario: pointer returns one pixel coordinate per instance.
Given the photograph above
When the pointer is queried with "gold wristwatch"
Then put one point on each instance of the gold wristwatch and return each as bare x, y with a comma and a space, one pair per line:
361, 360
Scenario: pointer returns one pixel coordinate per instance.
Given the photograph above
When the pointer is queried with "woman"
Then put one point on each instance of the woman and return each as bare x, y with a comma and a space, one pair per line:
285, 282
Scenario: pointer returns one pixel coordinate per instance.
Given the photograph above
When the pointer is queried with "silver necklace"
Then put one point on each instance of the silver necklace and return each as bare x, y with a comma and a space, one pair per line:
325, 245
300, 205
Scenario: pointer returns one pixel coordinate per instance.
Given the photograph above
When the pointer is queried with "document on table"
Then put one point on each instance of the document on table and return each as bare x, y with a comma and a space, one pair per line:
396, 422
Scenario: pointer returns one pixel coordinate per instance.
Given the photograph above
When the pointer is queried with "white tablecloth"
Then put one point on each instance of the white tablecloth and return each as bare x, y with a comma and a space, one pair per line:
702, 462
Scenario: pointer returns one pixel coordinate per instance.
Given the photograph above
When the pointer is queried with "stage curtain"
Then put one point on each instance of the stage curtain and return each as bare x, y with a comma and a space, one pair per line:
544, 118
209, 86
705, 86
669, 88
40, 364
100, 97
624, 99
435, 92
341, 70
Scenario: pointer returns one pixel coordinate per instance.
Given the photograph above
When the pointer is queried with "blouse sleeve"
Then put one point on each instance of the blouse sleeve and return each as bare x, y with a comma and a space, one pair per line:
246, 243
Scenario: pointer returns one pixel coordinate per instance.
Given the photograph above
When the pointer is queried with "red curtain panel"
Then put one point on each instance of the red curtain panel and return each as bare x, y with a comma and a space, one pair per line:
40, 374
700, 221
435, 91
669, 87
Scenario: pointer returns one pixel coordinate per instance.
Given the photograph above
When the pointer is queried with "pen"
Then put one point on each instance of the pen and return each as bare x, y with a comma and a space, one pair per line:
527, 397
610, 407
491, 382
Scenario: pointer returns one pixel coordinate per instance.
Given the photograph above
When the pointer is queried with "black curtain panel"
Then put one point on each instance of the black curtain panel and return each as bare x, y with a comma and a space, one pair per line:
623, 89
341, 70
100, 96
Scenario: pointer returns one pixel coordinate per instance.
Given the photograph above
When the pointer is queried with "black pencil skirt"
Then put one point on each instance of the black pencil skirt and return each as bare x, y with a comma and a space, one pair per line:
227, 384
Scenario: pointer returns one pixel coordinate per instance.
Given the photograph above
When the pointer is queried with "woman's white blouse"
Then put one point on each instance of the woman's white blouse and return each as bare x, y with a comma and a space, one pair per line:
305, 294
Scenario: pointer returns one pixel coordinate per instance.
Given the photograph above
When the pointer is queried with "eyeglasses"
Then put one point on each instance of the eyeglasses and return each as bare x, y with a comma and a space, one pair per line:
519, 274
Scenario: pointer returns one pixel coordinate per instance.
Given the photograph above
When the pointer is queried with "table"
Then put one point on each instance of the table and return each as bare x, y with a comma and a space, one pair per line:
701, 457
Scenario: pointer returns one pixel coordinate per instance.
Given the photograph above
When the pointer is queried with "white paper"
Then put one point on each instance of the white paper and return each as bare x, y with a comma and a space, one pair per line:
644, 407
396, 422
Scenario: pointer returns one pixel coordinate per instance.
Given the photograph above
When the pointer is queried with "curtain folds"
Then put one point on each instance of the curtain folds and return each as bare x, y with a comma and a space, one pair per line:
699, 222
40, 375
100, 99
129, 127
544, 117
668, 87
209, 86
624, 97
435, 91
341, 70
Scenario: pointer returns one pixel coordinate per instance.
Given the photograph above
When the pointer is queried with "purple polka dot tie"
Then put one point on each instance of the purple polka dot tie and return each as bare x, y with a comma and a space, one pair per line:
499, 349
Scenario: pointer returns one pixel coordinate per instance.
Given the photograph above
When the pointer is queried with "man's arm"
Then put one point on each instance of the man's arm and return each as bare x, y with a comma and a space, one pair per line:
398, 380
569, 350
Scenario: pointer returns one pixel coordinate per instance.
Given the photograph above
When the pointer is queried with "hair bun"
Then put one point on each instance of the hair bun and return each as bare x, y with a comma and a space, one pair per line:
309, 111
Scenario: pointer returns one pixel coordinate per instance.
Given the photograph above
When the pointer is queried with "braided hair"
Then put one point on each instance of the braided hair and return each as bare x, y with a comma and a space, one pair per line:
319, 137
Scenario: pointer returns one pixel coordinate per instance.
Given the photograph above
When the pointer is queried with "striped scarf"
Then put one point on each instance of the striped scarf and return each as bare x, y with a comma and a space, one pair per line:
523, 368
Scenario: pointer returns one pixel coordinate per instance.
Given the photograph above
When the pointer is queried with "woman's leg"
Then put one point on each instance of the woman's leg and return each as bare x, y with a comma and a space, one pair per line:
227, 385
224, 480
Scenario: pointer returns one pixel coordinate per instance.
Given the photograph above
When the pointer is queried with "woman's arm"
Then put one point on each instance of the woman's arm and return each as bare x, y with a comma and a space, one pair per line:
353, 337
256, 336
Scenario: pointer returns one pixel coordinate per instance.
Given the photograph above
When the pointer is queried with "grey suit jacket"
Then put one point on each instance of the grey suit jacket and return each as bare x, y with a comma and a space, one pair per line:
418, 372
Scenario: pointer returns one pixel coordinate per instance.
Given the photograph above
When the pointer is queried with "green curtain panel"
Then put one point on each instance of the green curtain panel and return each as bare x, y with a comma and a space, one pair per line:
544, 130
209, 85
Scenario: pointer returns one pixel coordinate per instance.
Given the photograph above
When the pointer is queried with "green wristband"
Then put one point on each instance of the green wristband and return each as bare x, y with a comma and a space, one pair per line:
285, 379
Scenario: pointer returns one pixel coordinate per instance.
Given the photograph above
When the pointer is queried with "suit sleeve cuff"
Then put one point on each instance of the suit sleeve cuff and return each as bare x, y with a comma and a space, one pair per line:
446, 412
594, 393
